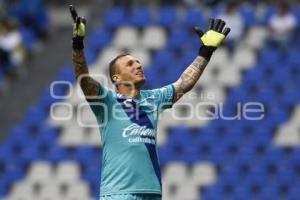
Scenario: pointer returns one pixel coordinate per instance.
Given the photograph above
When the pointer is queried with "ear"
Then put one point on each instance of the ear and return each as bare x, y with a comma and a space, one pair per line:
116, 78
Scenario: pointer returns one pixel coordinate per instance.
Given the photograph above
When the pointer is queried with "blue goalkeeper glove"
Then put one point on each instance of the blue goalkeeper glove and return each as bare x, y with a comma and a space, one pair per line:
213, 38
78, 29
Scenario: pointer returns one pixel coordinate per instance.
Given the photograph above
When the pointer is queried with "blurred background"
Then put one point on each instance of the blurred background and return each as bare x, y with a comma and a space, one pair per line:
46, 154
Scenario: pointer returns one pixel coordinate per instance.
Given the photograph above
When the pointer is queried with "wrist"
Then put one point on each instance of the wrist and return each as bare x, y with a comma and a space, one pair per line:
206, 52
77, 43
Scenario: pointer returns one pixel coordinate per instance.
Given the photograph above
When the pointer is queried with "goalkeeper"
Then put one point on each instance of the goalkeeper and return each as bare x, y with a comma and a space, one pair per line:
130, 166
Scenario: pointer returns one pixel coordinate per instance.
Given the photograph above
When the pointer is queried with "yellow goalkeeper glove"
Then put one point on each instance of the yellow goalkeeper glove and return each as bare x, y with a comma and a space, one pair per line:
78, 29
213, 38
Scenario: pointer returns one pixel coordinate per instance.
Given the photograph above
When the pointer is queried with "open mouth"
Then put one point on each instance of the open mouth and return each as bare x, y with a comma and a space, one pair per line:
140, 73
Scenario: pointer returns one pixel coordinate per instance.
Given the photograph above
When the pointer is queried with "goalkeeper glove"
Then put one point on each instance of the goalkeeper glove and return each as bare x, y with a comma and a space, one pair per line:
213, 38
78, 29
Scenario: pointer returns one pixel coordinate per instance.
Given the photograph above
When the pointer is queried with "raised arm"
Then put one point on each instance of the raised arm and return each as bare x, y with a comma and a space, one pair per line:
211, 40
89, 86
189, 77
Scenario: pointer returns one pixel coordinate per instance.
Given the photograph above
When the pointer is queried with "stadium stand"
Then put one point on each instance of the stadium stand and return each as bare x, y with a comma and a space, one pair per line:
23, 24
50, 156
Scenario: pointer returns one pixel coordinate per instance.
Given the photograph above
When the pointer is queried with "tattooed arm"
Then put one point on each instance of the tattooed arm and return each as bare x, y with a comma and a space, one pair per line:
189, 77
89, 86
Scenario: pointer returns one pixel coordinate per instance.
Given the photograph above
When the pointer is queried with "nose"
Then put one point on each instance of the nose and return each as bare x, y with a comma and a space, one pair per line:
139, 67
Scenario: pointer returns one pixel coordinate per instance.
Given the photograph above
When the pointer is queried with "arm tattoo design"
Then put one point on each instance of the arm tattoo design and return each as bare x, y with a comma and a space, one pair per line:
89, 86
189, 77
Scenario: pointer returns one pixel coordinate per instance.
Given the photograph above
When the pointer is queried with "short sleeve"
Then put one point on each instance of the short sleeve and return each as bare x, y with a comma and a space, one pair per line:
165, 96
99, 104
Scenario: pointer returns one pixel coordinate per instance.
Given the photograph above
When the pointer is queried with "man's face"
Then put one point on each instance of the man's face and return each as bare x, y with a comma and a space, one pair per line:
129, 69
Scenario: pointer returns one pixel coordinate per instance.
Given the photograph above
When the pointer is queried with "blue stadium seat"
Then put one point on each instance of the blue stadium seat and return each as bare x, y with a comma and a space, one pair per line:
13, 174
290, 98
217, 10
115, 17
28, 37
46, 99
57, 154
296, 12
29, 153
213, 192
47, 133
167, 17
98, 39
84, 154
249, 14
46, 138
270, 57
194, 17
293, 57
92, 167
269, 12
65, 74
178, 39
294, 192
4, 187
88, 175
6, 152
90, 56
140, 17
35, 116
163, 58
227, 186
187, 58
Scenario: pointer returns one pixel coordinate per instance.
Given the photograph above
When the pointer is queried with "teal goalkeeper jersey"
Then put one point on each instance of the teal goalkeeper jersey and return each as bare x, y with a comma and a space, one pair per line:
128, 134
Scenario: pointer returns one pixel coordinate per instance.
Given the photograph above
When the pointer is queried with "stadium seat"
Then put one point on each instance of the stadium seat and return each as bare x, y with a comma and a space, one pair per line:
248, 13
142, 54
72, 134
167, 16
255, 37
83, 154
204, 170
130, 33
140, 17
57, 154
40, 172
50, 190
194, 17
148, 35
115, 17
79, 191
99, 39
178, 39
67, 172
29, 38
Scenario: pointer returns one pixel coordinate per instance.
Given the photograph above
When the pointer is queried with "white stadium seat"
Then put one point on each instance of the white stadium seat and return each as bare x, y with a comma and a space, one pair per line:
175, 172
78, 191
68, 172
244, 57
288, 135
142, 55
93, 137
72, 134
126, 37
256, 37
221, 56
153, 37
40, 172
50, 191
203, 174
230, 76
21, 191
